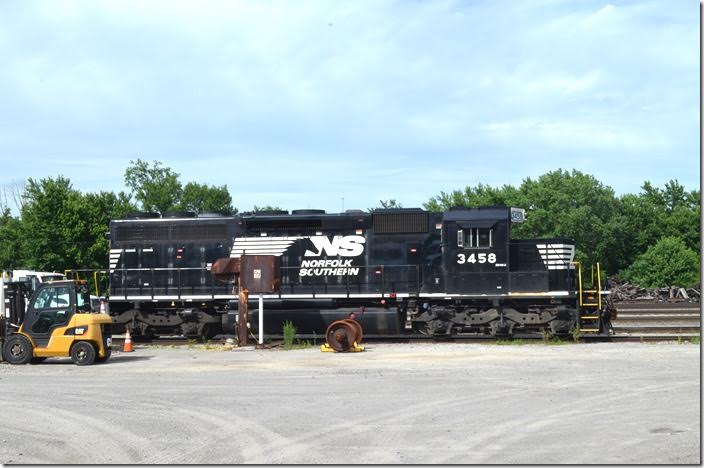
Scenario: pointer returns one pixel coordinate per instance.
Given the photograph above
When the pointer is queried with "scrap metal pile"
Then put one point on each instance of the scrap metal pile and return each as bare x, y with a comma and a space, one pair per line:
625, 291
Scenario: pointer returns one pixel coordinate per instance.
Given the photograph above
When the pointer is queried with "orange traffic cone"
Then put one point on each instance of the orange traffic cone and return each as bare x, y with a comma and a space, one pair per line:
127, 347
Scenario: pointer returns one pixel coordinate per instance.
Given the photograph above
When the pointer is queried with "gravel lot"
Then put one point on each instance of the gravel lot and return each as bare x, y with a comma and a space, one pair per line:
394, 403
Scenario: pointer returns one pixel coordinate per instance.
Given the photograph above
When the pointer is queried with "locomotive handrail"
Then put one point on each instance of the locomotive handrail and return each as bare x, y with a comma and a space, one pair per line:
598, 279
383, 286
74, 274
579, 280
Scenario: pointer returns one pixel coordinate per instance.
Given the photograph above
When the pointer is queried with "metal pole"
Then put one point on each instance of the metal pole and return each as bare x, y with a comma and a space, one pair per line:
261, 318
2, 294
243, 316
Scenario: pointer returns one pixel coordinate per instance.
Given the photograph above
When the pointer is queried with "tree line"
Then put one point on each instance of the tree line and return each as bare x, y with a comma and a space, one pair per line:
651, 238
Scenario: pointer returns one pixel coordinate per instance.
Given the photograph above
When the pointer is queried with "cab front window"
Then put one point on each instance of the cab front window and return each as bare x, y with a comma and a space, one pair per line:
53, 298
475, 238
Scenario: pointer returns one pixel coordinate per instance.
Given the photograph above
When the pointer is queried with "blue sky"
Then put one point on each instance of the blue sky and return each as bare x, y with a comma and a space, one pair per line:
302, 103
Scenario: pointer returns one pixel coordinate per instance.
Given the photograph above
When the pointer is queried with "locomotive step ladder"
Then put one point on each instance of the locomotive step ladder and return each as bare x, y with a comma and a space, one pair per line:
591, 314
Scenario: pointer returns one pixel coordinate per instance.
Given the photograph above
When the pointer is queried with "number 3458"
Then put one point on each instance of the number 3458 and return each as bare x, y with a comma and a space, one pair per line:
476, 258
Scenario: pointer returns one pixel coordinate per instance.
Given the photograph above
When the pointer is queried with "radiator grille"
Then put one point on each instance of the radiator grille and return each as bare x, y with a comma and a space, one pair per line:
162, 233
285, 224
400, 223
187, 232
141, 233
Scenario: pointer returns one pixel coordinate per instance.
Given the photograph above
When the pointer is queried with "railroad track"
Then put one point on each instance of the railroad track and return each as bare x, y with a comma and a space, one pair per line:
657, 321
636, 322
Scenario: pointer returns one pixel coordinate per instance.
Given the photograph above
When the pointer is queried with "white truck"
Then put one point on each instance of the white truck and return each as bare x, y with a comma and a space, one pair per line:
32, 279
35, 277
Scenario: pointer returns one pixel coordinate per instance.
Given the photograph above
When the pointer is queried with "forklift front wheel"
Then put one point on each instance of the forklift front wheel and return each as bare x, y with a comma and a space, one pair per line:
83, 353
17, 350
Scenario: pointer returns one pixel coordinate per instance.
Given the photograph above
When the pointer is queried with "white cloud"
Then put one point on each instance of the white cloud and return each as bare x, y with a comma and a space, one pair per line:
570, 134
309, 86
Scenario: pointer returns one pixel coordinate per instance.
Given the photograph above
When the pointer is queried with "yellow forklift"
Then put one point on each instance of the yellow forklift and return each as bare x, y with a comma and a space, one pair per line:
57, 321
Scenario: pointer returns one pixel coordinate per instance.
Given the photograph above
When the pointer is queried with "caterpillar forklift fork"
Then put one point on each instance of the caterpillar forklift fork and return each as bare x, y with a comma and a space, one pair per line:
56, 322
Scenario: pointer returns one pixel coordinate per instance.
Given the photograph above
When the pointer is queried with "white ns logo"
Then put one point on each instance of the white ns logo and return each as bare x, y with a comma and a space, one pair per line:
344, 246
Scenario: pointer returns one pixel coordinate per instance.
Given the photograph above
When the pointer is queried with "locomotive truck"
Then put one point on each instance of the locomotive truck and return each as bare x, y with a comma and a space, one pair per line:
399, 270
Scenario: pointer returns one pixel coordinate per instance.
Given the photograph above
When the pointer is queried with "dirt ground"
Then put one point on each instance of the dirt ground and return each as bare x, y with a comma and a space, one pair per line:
394, 403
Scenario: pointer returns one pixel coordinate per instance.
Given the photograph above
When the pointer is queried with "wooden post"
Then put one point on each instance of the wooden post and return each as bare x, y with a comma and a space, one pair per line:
243, 316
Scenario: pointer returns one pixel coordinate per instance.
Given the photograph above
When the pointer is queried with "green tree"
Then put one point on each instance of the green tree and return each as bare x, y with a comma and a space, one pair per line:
98, 209
158, 188
472, 197
259, 209
52, 225
655, 213
11, 255
667, 263
155, 187
201, 198
62, 228
390, 204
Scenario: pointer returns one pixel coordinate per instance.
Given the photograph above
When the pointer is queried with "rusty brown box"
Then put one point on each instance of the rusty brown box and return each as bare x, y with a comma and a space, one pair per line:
260, 274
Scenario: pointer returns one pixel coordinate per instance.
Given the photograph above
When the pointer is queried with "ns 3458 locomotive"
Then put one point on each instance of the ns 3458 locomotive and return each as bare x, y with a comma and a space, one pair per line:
400, 271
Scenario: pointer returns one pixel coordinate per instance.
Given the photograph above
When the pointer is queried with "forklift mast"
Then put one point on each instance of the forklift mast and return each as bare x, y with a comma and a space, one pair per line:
13, 303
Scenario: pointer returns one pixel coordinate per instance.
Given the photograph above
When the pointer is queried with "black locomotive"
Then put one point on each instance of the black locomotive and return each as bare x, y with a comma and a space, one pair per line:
399, 271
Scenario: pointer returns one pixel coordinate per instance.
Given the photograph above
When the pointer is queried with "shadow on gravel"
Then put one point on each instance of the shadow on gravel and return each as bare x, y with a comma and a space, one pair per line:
68, 362
126, 358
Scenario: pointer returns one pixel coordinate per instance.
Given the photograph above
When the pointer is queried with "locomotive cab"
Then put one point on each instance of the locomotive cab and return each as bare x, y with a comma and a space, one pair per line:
476, 250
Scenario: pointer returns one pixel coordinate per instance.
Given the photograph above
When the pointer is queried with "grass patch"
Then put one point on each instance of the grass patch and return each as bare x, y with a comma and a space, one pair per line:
576, 334
546, 335
301, 345
547, 340
289, 334
695, 340
511, 342
557, 341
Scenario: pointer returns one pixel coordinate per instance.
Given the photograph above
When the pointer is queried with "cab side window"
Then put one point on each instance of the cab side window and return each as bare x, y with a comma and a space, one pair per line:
53, 308
83, 303
475, 238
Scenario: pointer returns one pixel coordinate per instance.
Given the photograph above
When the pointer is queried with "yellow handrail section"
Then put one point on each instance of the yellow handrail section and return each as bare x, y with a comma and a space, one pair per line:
579, 280
596, 291
76, 275
598, 279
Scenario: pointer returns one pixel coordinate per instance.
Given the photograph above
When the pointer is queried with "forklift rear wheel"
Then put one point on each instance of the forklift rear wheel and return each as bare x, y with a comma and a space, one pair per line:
83, 353
17, 350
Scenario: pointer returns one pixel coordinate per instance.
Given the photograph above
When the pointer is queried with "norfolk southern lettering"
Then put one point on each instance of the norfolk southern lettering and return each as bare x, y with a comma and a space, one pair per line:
339, 246
328, 268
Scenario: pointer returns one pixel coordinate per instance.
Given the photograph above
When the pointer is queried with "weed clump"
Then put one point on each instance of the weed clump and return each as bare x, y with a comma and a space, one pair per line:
289, 334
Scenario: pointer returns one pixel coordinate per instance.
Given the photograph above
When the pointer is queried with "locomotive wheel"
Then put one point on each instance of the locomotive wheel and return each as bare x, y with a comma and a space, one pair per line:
340, 335
357, 329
